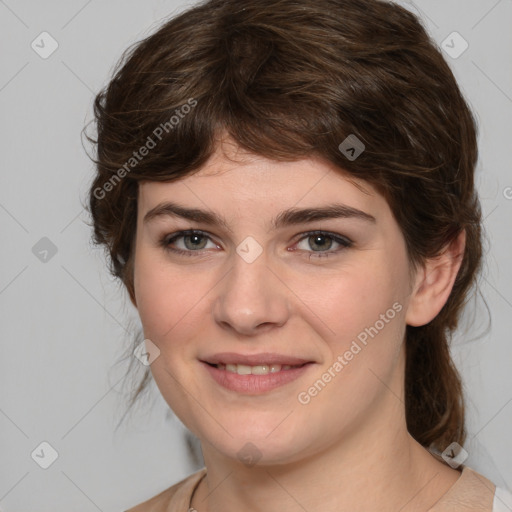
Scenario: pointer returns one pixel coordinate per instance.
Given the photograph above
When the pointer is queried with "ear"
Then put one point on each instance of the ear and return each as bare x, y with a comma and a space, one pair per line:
434, 283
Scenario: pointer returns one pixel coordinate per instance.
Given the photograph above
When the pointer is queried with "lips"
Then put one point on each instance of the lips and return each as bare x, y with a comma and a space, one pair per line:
254, 374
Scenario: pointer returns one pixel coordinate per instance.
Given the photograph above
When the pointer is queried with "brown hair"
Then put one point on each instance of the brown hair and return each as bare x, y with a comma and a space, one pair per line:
288, 79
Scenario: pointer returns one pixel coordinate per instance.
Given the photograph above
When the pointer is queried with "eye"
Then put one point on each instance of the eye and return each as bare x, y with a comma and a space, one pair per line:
320, 240
188, 242
195, 241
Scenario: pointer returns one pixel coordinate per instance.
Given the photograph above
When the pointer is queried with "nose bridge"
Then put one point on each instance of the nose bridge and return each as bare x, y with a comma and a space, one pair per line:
250, 294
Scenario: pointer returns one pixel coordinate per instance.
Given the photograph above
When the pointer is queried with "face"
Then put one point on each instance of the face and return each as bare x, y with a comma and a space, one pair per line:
310, 305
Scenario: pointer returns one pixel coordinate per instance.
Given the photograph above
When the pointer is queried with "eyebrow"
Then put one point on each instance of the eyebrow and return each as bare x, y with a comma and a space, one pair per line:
292, 216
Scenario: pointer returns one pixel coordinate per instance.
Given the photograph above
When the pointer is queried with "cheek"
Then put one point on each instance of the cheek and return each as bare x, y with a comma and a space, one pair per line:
365, 311
168, 302
151, 294
354, 299
169, 299
158, 293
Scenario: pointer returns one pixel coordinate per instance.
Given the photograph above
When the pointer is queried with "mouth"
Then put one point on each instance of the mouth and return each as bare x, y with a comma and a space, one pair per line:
255, 378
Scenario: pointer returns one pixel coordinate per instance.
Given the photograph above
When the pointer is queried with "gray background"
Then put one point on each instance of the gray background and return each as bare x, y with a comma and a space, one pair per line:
66, 324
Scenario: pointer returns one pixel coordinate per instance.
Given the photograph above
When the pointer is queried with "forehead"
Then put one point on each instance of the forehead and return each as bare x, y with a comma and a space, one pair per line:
235, 177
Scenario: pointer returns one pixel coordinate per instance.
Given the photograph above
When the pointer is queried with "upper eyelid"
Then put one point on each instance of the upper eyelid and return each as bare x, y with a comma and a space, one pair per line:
187, 232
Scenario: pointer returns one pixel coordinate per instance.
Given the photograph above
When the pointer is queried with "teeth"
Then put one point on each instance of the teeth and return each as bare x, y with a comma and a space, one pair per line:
261, 369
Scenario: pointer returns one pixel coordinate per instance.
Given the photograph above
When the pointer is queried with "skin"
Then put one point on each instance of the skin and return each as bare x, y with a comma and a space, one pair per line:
348, 448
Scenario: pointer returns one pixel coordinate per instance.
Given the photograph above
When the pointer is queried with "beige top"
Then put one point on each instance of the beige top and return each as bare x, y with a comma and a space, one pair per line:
472, 492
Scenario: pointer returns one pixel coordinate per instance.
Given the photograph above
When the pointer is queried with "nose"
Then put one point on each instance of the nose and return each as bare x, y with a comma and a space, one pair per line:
251, 298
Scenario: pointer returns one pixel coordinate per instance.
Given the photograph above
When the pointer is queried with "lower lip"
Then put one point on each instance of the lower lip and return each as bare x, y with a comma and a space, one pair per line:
255, 384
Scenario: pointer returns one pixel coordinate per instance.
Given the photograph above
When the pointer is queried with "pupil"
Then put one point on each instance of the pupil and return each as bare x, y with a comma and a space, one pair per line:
195, 240
316, 238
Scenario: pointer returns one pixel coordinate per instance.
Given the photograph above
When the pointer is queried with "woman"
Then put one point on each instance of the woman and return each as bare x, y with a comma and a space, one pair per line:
286, 189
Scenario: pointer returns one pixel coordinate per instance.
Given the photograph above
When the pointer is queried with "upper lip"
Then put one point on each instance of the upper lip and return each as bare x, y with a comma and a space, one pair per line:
254, 359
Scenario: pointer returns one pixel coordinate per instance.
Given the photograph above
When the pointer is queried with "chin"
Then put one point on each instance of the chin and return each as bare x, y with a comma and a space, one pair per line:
265, 443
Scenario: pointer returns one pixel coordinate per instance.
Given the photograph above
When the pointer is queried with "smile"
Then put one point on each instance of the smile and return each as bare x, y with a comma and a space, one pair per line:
254, 380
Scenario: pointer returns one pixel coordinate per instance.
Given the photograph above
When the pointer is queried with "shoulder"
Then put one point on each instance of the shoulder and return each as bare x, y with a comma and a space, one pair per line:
174, 498
472, 492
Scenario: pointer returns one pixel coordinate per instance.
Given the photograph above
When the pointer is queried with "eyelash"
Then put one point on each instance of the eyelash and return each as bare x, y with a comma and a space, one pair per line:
167, 240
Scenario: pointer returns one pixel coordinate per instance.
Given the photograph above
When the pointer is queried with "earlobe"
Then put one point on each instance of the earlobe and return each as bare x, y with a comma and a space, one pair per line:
434, 283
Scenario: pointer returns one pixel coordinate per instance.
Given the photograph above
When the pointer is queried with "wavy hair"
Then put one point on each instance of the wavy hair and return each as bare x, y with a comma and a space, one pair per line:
287, 79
